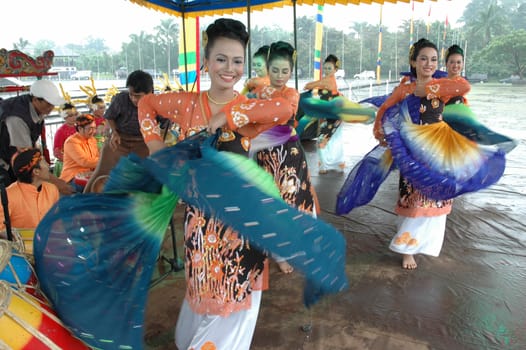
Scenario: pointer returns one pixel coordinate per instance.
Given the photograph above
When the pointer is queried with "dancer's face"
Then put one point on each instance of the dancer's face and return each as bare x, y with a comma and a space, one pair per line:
225, 62
328, 69
279, 72
454, 65
259, 66
426, 62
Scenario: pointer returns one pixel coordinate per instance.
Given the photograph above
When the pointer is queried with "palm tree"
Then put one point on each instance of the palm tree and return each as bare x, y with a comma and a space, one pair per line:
167, 36
139, 41
486, 21
21, 44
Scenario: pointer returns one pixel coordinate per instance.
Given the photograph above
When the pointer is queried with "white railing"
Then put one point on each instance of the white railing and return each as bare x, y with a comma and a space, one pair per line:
355, 90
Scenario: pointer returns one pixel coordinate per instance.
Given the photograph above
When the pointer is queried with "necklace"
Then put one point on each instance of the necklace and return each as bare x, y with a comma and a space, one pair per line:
220, 103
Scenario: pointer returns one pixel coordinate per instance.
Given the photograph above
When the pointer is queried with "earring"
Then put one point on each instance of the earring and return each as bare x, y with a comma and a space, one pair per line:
206, 69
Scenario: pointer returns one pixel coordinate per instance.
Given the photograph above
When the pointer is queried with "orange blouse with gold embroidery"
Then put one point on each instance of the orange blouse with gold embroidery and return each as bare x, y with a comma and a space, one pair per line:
191, 111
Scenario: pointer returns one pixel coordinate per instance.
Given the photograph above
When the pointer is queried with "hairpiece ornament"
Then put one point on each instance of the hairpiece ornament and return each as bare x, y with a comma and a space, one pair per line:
90, 92
66, 95
166, 85
204, 38
67, 98
411, 52
112, 91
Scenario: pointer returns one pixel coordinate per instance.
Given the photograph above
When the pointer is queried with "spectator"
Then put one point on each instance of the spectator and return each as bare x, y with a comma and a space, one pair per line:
31, 195
97, 107
21, 125
123, 120
69, 113
81, 153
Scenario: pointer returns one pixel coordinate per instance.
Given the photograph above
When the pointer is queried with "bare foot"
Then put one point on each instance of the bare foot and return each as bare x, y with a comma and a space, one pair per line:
285, 267
408, 262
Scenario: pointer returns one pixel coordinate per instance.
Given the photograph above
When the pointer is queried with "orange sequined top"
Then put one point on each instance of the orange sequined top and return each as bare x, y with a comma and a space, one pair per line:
326, 83
191, 111
255, 84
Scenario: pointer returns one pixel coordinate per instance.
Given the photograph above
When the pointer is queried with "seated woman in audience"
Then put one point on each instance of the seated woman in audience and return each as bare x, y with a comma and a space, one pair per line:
81, 153
69, 113
32, 195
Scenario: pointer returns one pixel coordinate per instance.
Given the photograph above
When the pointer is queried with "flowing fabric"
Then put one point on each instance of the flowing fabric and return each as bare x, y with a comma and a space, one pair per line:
95, 252
363, 181
307, 127
275, 136
462, 119
438, 161
94, 257
450, 166
238, 192
338, 108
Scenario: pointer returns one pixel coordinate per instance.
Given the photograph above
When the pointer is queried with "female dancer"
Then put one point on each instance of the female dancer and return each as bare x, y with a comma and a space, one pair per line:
330, 143
259, 65
285, 160
422, 219
454, 67
223, 271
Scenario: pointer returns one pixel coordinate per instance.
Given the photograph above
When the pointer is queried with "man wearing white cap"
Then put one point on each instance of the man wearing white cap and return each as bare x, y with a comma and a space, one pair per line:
21, 123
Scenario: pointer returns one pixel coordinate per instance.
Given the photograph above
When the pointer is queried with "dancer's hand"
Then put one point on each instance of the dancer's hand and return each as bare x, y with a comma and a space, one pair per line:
216, 122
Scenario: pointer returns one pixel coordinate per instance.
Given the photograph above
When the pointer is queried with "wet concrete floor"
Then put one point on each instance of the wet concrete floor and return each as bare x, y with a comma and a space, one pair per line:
473, 296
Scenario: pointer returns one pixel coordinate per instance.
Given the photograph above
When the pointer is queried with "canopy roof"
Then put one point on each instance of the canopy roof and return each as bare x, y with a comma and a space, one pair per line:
193, 8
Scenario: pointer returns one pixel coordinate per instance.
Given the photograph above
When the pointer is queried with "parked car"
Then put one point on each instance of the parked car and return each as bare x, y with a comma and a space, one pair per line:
366, 74
340, 74
155, 74
62, 72
121, 73
81, 74
510, 79
478, 78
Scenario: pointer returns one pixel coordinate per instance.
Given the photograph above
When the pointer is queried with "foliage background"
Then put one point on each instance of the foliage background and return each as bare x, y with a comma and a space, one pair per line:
493, 34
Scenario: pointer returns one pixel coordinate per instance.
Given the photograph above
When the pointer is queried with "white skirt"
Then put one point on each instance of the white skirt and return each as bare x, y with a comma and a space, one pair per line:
420, 235
234, 332
332, 156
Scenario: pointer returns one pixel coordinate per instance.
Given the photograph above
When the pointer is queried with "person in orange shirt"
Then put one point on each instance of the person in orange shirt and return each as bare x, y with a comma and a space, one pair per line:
421, 218
259, 65
217, 310
32, 195
285, 159
81, 153
330, 143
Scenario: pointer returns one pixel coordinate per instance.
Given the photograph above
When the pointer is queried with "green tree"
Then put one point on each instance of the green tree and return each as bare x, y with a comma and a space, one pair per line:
137, 49
41, 46
485, 19
506, 54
